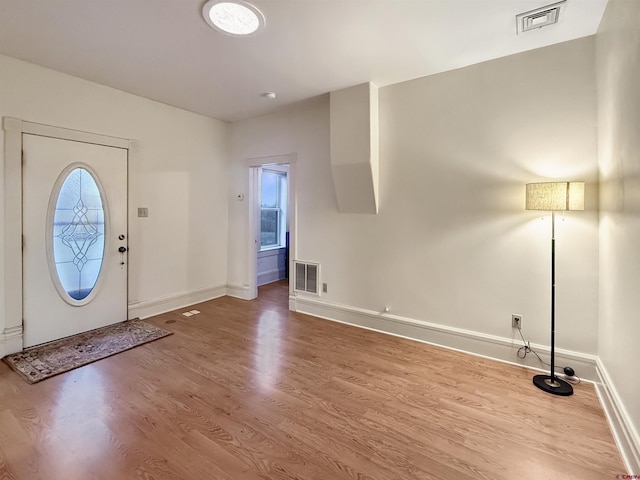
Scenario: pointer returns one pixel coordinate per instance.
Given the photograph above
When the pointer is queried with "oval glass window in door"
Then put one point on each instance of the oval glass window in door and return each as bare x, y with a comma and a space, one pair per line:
78, 234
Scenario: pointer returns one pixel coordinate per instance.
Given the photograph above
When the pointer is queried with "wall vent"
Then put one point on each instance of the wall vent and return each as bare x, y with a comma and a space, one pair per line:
307, 277
538, 18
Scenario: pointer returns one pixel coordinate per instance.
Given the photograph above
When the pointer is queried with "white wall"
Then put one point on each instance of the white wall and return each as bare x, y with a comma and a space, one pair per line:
179, 172
304, 131
456, 151
618, 68
452, 243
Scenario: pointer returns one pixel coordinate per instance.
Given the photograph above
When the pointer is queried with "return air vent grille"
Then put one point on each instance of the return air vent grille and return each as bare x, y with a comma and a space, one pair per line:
538, 18
307, 277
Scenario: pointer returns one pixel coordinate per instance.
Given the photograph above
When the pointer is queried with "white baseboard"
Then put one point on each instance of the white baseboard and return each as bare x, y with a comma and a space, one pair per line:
292, 302
11, 341
625, 434
467, 341
238, 291
270, 276
156, 306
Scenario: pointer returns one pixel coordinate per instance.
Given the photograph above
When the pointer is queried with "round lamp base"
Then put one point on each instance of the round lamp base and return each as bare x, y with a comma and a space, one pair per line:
553, 385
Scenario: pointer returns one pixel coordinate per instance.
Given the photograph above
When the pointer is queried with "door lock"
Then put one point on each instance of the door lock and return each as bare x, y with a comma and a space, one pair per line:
122, 251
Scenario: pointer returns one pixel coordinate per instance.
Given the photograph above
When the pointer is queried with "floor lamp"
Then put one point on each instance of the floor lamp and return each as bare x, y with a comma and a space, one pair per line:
554, 197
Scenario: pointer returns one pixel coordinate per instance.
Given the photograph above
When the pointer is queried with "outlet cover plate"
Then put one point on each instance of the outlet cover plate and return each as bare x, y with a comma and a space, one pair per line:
516, 321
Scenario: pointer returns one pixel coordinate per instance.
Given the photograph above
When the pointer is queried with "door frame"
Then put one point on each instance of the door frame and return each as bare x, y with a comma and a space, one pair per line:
11, 337
253, 166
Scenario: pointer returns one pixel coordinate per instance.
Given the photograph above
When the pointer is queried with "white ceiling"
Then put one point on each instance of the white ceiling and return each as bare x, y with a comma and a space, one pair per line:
164, 50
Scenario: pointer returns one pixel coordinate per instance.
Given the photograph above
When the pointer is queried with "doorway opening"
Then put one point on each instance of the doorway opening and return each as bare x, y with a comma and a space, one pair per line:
272, 222
273, 253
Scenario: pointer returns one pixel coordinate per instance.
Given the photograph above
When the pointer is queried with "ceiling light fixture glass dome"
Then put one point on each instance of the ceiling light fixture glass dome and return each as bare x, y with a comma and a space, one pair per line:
233, 17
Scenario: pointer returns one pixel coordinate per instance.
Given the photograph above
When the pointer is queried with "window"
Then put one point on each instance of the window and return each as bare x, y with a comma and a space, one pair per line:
273, 205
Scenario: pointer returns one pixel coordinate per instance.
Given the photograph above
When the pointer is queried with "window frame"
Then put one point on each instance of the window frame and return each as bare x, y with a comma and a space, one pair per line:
280, 208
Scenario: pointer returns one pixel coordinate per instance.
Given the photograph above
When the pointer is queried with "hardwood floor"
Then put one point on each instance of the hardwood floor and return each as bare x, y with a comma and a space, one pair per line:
248, 390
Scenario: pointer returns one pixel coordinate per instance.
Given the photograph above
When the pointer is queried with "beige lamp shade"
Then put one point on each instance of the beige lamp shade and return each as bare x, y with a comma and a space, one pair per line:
555, 196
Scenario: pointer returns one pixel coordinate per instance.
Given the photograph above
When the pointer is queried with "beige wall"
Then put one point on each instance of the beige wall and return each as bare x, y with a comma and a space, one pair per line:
618, 73
179, 173
452, 243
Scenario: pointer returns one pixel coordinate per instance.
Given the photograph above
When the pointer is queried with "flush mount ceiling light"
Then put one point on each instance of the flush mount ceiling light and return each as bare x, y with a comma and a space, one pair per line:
233, 18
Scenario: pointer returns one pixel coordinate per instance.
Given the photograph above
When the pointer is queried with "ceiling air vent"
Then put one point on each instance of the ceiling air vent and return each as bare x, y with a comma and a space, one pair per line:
538, 18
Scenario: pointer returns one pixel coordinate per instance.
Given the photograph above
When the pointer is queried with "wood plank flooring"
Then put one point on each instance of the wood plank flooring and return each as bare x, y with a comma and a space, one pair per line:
248, 390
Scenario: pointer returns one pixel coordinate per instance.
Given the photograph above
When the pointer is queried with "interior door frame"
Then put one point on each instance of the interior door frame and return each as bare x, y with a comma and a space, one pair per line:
253, 165
14, 128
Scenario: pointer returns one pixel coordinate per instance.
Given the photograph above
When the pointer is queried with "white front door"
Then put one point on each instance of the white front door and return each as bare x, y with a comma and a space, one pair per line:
74, 237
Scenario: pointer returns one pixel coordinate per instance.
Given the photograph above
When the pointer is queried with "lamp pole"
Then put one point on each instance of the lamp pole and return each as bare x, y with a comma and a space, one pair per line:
551, 383
553, 296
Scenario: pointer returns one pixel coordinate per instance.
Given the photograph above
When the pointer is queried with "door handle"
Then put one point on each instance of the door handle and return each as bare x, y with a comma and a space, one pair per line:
122, 249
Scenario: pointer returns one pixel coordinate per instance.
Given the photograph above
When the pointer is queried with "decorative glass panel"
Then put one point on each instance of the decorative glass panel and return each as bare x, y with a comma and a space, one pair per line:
78, 234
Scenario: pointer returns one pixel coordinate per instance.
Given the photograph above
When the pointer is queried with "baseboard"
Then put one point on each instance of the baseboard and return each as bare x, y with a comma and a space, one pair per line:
238, 291
156, 306
270, 276
10, 341
467, 341
292, 302
622, 428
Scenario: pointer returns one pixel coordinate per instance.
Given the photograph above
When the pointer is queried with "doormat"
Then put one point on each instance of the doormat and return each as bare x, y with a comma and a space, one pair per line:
43, 361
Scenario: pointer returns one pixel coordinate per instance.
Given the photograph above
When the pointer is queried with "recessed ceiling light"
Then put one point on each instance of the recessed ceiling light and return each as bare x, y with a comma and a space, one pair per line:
233, 18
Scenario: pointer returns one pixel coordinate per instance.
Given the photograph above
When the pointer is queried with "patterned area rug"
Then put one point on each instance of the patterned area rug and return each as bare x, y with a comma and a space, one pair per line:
43, 361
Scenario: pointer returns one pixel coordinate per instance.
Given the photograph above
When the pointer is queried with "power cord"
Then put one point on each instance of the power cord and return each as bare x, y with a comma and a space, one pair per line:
569, 373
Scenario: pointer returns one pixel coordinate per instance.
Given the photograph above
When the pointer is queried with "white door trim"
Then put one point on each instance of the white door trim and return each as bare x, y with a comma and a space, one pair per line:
254, 214
11, 335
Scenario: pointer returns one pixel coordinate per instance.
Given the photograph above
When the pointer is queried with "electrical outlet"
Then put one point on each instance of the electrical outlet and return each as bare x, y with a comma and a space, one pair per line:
324, 288
516, 321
